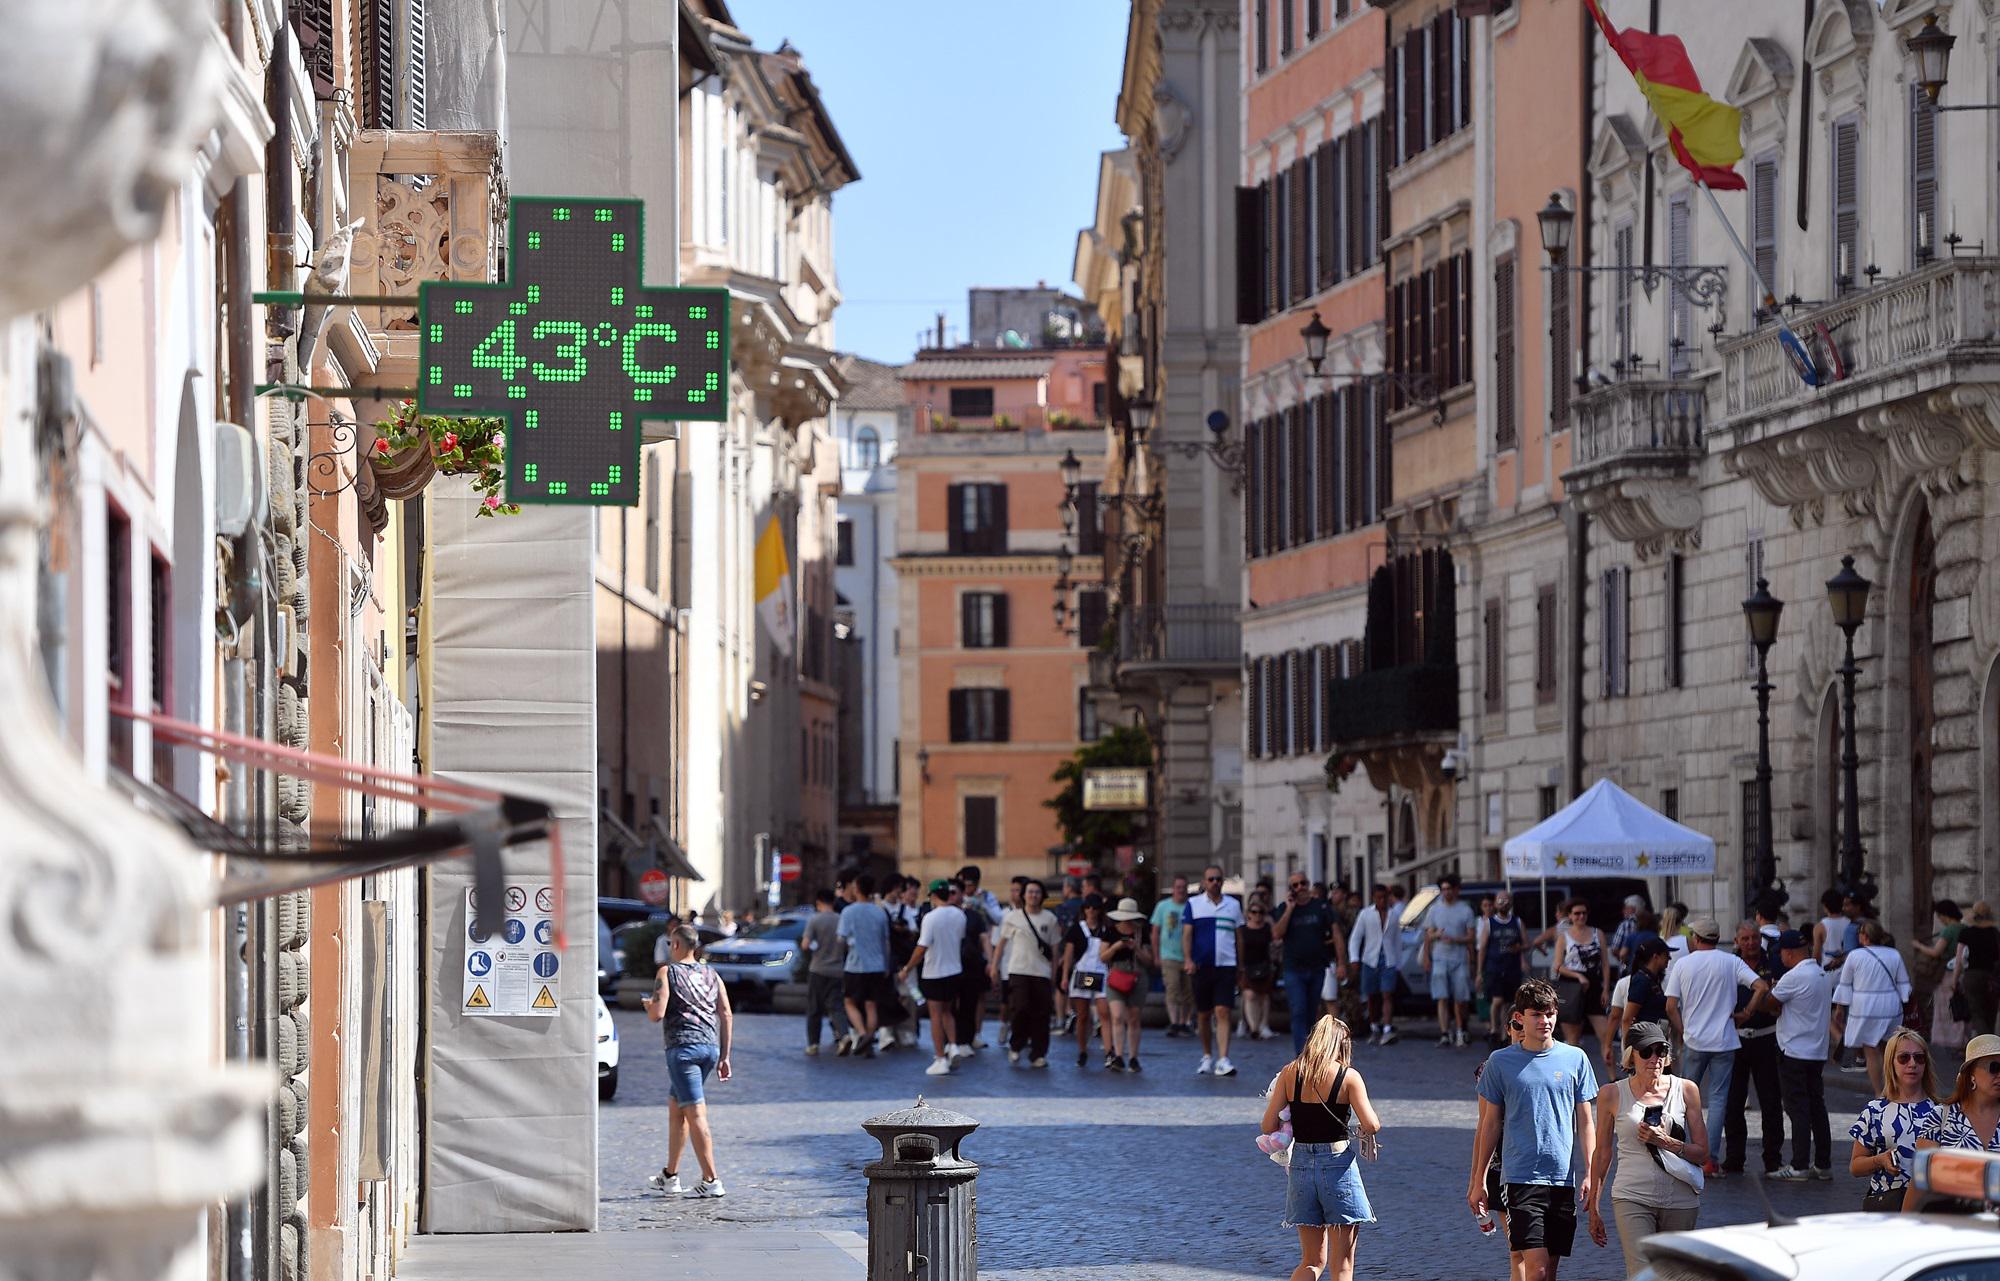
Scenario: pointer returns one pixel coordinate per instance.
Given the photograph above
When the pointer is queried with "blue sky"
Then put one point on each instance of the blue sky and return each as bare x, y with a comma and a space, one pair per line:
977, 130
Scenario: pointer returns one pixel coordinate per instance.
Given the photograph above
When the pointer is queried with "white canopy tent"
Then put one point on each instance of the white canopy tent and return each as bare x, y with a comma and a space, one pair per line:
1607, 832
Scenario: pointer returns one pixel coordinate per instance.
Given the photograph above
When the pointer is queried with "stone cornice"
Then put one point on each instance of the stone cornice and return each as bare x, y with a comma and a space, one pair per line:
1084, 570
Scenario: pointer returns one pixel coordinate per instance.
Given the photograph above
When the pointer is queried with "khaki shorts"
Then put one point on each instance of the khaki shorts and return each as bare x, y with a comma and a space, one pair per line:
1179, 984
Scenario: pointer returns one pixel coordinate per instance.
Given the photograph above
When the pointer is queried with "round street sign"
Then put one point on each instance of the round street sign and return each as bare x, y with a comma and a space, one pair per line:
653, 886
789, 867
1077, 865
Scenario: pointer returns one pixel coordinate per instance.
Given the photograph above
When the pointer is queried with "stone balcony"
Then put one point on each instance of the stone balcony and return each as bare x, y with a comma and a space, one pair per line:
433, 206
1914, 391
1637, 448
1179, 638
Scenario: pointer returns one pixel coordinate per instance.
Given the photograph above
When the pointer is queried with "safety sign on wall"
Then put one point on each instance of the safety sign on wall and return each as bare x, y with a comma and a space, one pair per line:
511, 967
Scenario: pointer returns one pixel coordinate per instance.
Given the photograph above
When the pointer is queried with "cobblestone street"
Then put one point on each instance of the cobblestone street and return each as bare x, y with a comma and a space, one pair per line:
1094, 1174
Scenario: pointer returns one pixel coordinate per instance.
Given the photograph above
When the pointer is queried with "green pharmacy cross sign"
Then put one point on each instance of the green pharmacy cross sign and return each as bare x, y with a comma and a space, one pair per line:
573, 351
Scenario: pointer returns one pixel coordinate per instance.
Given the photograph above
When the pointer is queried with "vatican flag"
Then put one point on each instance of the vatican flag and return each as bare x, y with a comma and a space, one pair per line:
774, 585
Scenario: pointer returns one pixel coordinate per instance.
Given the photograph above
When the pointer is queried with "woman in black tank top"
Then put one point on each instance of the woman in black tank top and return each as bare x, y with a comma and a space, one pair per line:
1332, 1122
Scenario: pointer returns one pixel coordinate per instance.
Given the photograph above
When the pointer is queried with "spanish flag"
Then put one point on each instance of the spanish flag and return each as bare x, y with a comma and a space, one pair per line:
1706, 135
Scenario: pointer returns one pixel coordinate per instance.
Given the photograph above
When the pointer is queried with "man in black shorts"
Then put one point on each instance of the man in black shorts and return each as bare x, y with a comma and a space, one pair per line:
1535, 1106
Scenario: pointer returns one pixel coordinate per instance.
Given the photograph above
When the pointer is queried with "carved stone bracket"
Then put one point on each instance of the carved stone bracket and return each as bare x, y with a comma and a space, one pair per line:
1650, 512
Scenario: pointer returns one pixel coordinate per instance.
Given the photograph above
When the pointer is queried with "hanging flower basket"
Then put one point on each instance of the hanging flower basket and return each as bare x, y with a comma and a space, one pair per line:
410, 448
1339, 768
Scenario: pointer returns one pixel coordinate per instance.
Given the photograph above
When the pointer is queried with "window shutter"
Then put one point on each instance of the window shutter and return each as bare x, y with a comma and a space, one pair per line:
1495, 650
312, 23
1269, 708
1304, 484
1312, 17
1504, 357
1253, 720
1621, 291
1253, 488
1274, 483
1302, 273
1392, 107
958, 703
1680, 309
378, 85
1444, 80
1675, 613
996, 526
1414, 100
1846, 201
1465, 317
1923, 176
982, 827
1302, 728
1263, 36
1763, 222
414, 66
955, 523
1274, 243
1545, 644
1356, 454
1000, 635
968, 621
1329, 468
1250, 254
1462, 33
1003, 715
1451, 368
1330, 218
1381, 465
1091, 616
1394, 333
1560, 359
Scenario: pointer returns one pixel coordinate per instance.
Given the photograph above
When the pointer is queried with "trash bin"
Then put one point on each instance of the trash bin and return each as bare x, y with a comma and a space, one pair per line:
922, 1203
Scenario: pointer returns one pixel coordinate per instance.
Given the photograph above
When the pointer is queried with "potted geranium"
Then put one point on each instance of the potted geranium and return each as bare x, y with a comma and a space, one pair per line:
411, 447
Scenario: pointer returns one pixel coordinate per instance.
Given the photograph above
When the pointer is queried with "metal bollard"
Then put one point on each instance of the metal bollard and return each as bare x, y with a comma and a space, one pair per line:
922, 1198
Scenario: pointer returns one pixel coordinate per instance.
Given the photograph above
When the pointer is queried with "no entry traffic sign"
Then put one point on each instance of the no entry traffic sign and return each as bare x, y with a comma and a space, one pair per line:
653, 886
789, 867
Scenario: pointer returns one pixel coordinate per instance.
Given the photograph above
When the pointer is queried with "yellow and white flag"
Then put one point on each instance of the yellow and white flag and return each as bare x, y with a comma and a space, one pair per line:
774, 585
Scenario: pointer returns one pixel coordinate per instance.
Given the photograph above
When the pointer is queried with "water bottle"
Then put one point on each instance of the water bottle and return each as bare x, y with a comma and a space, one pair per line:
1487, 1223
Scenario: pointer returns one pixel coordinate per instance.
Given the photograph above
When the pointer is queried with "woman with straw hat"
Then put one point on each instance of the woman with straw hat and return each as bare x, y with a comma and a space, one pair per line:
1130, 961
1970, 1120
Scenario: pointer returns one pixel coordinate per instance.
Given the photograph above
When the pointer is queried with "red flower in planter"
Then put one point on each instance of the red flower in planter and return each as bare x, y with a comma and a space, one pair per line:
491, 503
448, 441
381, 446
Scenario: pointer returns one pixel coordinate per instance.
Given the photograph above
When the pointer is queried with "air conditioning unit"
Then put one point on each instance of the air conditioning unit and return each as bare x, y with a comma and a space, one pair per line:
239, 480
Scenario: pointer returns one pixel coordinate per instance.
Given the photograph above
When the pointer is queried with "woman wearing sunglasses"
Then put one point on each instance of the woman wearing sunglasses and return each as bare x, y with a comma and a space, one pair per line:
1970, 1119
1885, 1134
1653, 1120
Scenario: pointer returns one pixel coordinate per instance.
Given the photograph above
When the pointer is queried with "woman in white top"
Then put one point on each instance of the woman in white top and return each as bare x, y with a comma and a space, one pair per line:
1874, 986
1637, 1117
1830, 935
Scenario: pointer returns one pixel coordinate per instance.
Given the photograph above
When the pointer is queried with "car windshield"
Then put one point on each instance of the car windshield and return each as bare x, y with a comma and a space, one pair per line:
778, 929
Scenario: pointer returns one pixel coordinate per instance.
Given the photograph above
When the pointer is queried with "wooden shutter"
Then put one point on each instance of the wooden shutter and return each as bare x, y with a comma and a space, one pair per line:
1763, 225
1376, 429
1621, 292
994, 509
1091, 615
1262, 36
1274, 483
1328, 214
1676, 612
1000, 634
1274, 243
1287, 27
1302, 735
1328, 522
954, 519
959, 702
1250, 250
1354, 454
1545, 644
1253, 719
1272, 745
1465, 316
1495, 655
1003, 715
969, 636
1392, 106
1923, 177
1312, 17
1253, 489
312, 25
1462, 35
1612, 630
1846, 202
1303, 481
1414, 97
1451, 368
982, 826
1561, 360
413, 67
1302, 273
1444, 80
1680, 309
1505, 428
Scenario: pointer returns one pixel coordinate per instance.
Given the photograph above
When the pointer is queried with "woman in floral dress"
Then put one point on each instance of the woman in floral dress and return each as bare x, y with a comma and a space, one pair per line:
1885, 1134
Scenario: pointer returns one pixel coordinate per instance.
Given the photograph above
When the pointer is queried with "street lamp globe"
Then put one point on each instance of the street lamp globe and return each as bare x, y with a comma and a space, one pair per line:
1847, 592
1558, 226
1072, 470
1315, 333
1761, 612
1931, 46
1139, 412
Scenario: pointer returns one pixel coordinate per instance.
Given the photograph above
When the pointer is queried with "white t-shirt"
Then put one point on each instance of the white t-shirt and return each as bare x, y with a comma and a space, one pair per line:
1706, 984
940, 934
1807, 993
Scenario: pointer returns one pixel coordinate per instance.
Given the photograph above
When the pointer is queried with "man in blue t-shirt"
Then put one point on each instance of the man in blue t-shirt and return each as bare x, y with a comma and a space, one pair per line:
864, 980
1534, 1104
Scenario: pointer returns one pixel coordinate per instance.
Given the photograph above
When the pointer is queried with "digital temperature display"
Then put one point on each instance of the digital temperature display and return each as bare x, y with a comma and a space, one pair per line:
573, 351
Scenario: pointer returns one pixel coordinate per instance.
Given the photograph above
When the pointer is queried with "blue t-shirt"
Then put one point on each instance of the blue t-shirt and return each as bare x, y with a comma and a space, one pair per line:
1215, 926
865, 926
1538, 1092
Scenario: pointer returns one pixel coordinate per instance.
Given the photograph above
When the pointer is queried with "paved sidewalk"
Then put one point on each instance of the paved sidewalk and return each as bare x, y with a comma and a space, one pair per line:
725, 1254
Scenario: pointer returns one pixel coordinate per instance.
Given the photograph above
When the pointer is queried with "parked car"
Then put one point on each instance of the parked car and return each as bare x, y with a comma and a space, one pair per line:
1606, 898
1847, 1247
755, 961
610, 959
607, 1052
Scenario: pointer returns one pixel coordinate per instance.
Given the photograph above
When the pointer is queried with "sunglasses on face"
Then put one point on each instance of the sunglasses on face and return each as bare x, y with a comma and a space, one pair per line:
1212, 880
1912, 1057
1990, 1067
1649, 1051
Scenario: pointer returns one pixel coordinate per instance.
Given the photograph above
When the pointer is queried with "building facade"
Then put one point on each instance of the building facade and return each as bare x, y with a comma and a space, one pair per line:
869, 428
992, 686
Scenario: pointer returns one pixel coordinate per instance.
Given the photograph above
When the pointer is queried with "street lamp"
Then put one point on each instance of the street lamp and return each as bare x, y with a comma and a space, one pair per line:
1761, 613
1932, 47
1139, 413
1847, 593
1225, 453
1315, 333
1419, 385
1072, 470
1558, 226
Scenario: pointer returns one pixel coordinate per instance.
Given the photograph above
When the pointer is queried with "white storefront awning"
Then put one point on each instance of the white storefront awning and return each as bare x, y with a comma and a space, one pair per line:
1609, 832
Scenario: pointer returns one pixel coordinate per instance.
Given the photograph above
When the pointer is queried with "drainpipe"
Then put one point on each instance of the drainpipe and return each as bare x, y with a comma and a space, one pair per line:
1585, 199
1579, 579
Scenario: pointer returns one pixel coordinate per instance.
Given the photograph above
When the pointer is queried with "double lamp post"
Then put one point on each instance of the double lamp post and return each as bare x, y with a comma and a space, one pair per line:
1847, 594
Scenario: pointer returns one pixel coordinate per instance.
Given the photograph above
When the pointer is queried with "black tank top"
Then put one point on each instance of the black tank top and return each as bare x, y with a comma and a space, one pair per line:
1320, 1122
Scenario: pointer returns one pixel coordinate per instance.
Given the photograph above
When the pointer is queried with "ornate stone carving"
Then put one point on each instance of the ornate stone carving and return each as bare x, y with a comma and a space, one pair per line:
1650, 512
1172, 116
1921, 445
102, 106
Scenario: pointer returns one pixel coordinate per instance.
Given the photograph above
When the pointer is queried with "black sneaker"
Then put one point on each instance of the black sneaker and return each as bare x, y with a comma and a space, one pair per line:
1132, 1064
1083, 1058
1114, 1063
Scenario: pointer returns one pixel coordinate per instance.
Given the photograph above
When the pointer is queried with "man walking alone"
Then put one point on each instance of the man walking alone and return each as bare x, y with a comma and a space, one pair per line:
823, 970
1450, 930
1376, 945
1208, 939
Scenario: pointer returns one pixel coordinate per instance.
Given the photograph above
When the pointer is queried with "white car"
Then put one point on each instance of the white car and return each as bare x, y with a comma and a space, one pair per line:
1849, 1247
607, 1052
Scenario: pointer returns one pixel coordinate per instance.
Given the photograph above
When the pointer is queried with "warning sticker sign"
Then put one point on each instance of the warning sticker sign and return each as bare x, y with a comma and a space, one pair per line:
510, 967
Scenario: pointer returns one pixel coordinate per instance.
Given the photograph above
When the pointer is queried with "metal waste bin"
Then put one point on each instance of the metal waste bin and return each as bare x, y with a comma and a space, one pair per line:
922, 1198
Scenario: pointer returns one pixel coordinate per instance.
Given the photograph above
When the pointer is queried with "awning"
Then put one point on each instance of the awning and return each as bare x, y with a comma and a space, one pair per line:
651, 846
671, 855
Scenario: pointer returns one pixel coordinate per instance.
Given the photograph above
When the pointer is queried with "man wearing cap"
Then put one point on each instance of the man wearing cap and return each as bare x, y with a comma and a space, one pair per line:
1701, 1004
1803, 996
937, 951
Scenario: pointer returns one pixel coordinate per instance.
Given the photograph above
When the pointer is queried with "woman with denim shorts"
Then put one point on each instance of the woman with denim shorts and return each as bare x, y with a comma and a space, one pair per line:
1332, 1121
692, 1003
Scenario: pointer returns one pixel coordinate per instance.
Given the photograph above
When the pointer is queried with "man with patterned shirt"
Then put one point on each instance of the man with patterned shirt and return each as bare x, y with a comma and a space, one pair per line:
1208, 942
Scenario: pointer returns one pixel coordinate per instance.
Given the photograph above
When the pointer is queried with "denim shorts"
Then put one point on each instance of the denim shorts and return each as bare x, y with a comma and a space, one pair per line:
1323, 1187
687, 1067
1451, 978
1378, 980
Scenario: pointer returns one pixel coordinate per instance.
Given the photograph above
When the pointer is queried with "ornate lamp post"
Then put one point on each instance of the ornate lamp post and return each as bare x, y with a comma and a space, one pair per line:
1702, 286
1847, 593
1417, 386
1761, 613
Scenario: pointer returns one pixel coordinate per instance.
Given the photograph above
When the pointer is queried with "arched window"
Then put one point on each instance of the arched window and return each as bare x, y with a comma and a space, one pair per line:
867, 449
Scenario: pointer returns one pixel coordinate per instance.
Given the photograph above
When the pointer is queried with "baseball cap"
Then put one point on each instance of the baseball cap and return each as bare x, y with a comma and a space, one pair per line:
939, 886
1645, 1034
1790, 940
1705, 929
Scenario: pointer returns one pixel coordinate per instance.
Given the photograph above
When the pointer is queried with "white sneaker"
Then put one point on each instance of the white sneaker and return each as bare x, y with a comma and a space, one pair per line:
1223, 1067
1389, 1036
708, 1188
1375, 1037
1013, 1056
906, 1040
1822, 1173
1786, 1174
958, 1051
884, 1039
1202, 1068
1460, 1039
981, 1043
940, 1066
664, 1182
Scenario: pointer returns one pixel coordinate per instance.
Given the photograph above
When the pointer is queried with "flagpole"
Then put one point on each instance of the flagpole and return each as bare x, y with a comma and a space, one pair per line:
1749, 260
